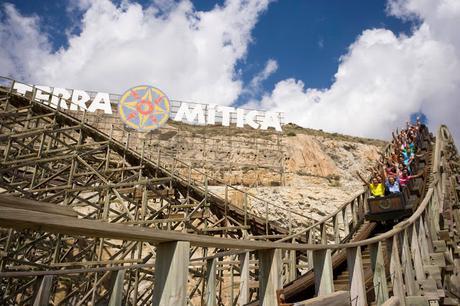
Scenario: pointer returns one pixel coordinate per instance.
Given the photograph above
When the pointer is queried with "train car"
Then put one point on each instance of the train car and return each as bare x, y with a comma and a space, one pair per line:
393, 207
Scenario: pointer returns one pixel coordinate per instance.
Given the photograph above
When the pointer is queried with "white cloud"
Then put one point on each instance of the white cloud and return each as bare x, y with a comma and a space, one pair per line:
255, 86
189, 54
384, 78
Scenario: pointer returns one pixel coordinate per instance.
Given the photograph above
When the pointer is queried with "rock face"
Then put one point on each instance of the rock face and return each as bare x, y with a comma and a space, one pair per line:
319, 176
305, 156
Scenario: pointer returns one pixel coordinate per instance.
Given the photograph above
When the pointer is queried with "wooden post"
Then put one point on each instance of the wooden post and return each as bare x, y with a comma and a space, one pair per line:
243, 298
356, 272
171, 273
270, 272
324, 283
378, 269
323, 233
346, 221
396, 272
423, 241
335, 221
116, 298
43, 295
310, 253
292, 266
417, 255
409, 277
211, 282
354, 213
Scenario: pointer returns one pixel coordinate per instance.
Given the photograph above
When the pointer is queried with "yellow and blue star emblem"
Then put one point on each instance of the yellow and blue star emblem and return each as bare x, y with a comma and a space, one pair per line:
144, 108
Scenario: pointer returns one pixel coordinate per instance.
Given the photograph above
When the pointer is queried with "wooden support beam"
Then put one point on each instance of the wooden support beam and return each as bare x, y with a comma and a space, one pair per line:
417, 300
396, 272
322, 262
409, 275
270, 273
346, 221
292, 275
116, 297
22, 219
356, 277
243, 298
338, 298
171, 273
417, 255
335, 221
22, 203
379, 274
210, 294
393, 301
310, 240
44, 292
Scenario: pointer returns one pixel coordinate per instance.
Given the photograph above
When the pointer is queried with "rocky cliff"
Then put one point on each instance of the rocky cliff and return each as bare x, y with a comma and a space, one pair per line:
319, 174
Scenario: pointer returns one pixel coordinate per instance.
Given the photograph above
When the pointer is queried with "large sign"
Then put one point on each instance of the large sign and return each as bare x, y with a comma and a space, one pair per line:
148, 116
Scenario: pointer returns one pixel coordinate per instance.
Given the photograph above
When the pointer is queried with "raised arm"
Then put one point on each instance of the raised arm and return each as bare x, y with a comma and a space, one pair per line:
421, 154
417, 175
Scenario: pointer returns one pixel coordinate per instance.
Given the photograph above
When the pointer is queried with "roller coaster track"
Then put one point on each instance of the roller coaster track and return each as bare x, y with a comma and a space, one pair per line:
88, 221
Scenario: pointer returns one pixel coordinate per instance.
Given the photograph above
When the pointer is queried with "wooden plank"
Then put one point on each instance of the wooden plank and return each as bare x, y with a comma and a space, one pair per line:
292, 269
409, 274
243, 298
417, 255
396, 272
116, 297
356, 277
379, 274
44, 292
210, 294
72, 271
310, 240
22, 203
417, 301
22, 219
338, 298
270, 273
393, 301
322, 262
171, 273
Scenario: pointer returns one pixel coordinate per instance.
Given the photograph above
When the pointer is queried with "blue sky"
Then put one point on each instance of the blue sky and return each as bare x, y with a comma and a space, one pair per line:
325, 64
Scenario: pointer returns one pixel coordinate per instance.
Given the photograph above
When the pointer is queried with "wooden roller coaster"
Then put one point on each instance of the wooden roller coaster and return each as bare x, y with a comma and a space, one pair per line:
88, 221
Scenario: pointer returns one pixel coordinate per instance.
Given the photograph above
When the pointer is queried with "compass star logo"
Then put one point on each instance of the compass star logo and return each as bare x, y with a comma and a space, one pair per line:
144, 108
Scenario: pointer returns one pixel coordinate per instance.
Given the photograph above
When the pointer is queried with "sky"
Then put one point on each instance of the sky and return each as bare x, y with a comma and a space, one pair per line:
359, 67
